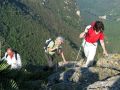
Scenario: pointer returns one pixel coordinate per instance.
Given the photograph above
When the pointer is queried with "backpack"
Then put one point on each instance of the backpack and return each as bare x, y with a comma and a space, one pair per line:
15, 55
93, 23
47, 42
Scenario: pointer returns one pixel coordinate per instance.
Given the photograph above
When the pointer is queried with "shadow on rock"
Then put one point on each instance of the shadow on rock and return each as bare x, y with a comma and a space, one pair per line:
112, 83
72, 79
116, 85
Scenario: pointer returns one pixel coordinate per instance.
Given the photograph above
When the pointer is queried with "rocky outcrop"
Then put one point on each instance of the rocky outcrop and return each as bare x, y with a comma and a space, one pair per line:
91, 78
112, 83
112, 62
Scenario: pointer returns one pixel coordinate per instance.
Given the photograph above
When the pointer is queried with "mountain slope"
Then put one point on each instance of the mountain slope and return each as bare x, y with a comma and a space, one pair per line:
26, 24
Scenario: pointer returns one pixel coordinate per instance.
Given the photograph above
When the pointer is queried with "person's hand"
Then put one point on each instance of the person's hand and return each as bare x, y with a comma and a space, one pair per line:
55, 48
14, 63
105, 53
65, 62
82, 35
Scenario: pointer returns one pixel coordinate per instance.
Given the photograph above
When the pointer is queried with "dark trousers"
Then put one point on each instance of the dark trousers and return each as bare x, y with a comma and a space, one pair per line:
51, 62
50, 59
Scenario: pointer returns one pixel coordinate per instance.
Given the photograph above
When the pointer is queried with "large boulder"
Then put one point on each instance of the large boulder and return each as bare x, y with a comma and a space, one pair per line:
80, 78
112, 83
112, 62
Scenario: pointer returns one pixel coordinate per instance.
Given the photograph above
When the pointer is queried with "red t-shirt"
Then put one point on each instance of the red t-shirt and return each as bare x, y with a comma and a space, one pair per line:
92, 37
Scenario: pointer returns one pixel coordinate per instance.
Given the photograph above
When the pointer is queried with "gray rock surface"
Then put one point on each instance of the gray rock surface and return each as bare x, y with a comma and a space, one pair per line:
103, 76
112, 83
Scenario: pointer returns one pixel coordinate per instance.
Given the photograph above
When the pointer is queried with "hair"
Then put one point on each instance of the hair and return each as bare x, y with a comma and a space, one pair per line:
60, 38
10, 49
99, 26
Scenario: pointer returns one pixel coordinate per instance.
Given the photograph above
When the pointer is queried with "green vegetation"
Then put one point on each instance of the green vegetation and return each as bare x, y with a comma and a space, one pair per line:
30, 77
26, 24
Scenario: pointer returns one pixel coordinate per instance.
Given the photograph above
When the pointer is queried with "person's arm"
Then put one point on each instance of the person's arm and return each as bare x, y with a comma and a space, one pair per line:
63, 57
19, 63
103, 47
82, 35
4, 58
52, 49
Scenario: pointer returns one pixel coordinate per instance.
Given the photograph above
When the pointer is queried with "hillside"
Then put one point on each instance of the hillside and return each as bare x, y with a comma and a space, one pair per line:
26, 24
97, 8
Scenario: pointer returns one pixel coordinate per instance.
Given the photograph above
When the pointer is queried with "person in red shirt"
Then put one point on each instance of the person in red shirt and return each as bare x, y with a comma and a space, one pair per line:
92, 34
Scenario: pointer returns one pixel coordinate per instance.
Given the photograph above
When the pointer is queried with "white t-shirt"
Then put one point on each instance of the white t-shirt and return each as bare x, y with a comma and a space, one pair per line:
15, 64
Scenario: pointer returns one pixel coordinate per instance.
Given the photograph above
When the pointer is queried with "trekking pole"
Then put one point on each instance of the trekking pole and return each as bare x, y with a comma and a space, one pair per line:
77, 55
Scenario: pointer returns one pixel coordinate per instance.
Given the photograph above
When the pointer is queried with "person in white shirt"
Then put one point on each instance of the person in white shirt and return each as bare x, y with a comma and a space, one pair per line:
13, 59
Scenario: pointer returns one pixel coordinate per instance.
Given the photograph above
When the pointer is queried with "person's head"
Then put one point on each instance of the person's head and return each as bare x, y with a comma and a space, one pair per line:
10, 51
98, 26
59, 40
